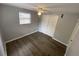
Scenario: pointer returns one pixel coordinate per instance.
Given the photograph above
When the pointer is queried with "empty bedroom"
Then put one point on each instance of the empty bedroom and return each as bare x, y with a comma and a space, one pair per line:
39, 29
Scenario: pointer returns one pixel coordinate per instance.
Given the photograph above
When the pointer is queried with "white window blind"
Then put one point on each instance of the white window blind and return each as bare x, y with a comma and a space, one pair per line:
24, 18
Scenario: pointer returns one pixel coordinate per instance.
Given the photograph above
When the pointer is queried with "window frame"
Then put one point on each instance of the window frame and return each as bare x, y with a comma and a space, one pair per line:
20, 18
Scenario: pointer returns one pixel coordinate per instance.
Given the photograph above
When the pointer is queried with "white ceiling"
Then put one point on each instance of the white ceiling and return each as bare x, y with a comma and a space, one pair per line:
52, 7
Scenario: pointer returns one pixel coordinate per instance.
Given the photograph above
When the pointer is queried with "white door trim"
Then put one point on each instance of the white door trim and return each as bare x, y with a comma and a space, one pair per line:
73, 34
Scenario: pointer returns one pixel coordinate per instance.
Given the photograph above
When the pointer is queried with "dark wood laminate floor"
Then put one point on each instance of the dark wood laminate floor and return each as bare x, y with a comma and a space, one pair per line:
36, 44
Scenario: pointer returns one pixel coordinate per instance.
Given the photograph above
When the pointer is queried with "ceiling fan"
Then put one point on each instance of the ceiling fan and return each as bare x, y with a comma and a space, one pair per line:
41, 10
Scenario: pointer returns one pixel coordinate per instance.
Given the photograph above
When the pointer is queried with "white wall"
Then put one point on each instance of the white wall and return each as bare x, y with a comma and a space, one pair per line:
48, 24
60, 29
65, 27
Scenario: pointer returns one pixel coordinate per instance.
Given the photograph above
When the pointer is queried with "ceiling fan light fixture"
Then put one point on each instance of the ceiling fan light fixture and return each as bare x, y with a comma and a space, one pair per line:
39, 13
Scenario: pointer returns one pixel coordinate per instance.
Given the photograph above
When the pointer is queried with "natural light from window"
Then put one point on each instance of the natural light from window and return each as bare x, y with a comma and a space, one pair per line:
24, 18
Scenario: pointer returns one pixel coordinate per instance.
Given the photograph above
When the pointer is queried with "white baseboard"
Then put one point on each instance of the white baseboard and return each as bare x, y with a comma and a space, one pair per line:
20, 37
54, 38
59, 41
46, 33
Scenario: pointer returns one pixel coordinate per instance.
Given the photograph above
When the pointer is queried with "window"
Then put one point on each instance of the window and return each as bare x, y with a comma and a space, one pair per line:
24, 18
